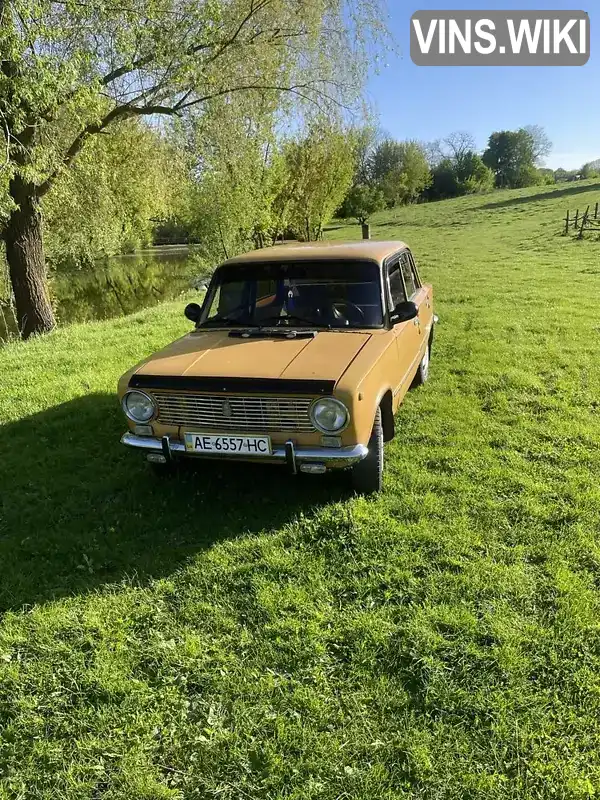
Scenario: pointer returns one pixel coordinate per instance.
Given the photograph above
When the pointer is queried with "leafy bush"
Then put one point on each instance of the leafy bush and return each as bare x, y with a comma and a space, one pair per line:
466, 175
361, 202
401, 171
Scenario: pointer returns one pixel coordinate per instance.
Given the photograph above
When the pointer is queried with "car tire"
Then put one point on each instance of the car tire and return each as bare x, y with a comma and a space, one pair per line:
367, 475
422, 373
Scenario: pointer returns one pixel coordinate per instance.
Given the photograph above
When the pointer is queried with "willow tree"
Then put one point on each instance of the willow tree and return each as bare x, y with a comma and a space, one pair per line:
112, 197
70, 69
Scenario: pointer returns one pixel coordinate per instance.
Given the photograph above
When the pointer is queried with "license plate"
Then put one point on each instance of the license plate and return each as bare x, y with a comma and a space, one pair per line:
228, 445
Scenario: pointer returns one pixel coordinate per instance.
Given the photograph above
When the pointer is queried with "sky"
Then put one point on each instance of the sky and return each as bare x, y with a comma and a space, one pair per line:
427, 103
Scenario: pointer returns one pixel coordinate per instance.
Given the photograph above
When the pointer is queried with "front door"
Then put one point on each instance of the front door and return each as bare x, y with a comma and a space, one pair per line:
407, 334
420, 295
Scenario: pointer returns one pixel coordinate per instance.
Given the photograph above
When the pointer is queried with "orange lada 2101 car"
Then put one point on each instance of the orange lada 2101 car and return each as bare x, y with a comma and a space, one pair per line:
300, 355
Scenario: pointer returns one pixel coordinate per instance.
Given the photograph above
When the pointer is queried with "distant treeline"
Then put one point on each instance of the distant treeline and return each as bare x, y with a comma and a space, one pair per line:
391, 173
232, 181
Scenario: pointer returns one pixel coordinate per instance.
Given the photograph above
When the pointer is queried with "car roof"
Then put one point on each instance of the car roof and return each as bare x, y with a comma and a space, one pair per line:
364, 250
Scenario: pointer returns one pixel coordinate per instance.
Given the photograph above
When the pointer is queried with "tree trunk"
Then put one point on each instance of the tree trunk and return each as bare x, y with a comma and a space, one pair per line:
26, 263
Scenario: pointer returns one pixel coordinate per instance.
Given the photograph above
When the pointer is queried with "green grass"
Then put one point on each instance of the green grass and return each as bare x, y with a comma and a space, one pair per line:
234, 633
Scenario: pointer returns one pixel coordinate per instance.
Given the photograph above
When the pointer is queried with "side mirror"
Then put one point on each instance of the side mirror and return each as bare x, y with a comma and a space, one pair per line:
404, 312
192, 312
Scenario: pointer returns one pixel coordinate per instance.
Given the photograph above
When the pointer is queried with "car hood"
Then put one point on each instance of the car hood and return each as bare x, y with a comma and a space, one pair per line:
216, 354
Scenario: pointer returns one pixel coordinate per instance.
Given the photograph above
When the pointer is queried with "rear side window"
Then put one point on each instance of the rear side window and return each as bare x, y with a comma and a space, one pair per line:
396, 285
415, 270
408, 274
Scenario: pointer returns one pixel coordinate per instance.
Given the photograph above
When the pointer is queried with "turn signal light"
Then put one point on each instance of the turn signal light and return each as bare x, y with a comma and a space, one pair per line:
331, 441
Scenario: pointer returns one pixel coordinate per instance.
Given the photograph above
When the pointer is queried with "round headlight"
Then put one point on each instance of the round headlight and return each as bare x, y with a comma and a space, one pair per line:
329, 415
139, 406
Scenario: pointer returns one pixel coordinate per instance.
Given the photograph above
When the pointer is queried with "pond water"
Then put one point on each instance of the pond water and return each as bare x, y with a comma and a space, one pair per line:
120, 285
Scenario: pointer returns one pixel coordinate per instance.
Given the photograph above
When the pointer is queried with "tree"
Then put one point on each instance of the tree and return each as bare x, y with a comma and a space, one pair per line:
401, 171
237, 173
472, 174
319, 169
71, 70
361, 202
451, 179
511, 156
444, 180
365, 142
457, 168
561, 174
451, 148
546, 176
415, 174
514, 155
459, 146
387, 158
540, 143
109, 200
591, 169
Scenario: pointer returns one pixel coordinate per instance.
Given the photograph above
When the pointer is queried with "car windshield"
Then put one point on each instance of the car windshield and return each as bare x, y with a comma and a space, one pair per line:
330, 294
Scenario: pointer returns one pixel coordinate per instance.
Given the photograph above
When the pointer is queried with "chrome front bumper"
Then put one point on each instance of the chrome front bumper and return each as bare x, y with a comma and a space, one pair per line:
295, 457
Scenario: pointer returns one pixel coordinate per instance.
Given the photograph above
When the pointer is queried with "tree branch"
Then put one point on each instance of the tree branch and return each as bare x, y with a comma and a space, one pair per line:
120, 112
254, 9
8, 137
130, 110
126, 69
143, 61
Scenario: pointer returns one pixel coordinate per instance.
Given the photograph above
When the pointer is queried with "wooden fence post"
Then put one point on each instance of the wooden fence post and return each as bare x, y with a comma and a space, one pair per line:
576, 218
567, 221
366, 230
583, 222
596, 211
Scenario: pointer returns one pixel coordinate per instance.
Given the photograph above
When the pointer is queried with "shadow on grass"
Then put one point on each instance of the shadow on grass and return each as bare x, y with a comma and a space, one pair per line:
428, 223
79, 510
516, 201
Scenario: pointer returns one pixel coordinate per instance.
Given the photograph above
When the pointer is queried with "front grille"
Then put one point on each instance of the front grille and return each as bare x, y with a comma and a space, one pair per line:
234, 412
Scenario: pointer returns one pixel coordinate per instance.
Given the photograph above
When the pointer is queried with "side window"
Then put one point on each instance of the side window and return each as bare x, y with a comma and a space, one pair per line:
418, 283
408, 275
396, 285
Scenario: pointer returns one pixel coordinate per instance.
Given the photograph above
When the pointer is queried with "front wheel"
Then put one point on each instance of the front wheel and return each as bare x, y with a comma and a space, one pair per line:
367, 475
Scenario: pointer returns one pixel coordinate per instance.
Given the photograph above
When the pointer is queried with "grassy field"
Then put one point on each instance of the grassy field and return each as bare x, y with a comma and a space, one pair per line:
237, 634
